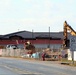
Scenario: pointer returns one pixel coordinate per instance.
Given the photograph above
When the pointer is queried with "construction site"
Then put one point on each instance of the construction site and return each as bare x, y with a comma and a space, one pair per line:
54, 45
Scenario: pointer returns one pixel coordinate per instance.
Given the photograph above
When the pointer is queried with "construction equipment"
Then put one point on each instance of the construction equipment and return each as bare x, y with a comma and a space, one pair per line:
67, 28
30, 47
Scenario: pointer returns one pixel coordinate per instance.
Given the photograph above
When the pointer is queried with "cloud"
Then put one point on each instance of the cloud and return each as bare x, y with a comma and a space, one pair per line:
4, 4
4, 7
31, 14
27, 0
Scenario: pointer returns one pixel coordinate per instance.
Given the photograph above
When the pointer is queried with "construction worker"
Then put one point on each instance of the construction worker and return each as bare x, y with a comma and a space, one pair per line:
43, 55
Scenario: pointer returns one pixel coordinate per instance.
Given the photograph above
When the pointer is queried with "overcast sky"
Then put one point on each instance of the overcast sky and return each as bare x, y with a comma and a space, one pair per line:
36, 15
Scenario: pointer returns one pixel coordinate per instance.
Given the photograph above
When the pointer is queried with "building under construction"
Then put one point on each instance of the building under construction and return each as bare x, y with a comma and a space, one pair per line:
53, 40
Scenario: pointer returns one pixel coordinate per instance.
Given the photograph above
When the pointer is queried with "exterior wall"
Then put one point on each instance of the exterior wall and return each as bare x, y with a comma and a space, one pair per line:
52, 46
39, 43
5, 42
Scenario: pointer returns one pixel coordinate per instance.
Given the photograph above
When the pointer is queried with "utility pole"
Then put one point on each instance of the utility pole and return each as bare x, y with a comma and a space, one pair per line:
49, 38
32, 36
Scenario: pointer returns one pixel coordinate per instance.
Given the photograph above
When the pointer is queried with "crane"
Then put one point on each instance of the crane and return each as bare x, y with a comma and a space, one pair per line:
67, 28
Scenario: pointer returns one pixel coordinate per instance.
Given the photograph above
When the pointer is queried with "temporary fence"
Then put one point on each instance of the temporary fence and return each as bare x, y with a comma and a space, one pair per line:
15, 52
23, 53
12, 52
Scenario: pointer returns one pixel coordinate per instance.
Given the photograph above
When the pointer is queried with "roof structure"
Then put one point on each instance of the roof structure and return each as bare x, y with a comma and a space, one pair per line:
23, 34
28, 34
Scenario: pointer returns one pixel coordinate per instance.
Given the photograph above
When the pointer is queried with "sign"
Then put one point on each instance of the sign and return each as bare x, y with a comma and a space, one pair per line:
73, 43
73, 48
75, 55
69, 54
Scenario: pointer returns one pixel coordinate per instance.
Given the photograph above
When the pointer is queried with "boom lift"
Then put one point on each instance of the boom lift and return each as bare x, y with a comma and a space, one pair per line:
67, 28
